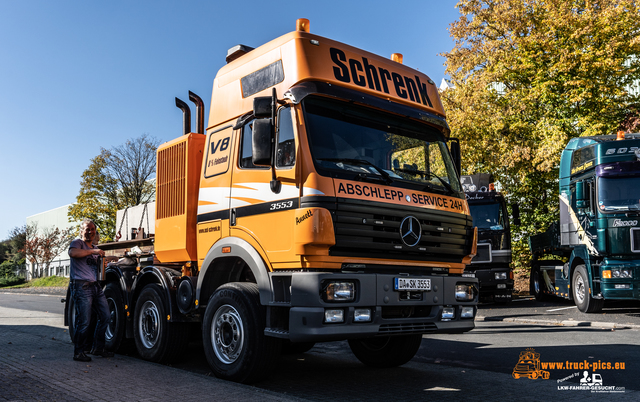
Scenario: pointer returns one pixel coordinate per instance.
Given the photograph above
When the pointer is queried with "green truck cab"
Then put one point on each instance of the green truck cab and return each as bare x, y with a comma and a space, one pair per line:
597, 238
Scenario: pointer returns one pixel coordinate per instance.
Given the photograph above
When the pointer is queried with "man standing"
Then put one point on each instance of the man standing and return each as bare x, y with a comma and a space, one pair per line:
87, 294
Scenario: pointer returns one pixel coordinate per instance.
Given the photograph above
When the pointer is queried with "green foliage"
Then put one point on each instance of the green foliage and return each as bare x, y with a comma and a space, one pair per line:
10, 281
13, 248
529, 76
8, 275
47, 281
117, 178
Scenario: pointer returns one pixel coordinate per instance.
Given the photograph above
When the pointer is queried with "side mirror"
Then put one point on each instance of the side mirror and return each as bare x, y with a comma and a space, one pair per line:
455, 154
515, 211
262, 107
261, 142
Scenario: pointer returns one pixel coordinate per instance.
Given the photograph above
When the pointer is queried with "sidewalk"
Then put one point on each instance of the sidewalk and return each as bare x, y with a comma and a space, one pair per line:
36, 364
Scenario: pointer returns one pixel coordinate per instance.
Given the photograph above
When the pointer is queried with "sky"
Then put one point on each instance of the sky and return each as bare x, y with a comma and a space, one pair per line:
78, 76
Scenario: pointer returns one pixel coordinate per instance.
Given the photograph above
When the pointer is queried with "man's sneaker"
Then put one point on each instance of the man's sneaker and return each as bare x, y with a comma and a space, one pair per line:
103, 353
81, 357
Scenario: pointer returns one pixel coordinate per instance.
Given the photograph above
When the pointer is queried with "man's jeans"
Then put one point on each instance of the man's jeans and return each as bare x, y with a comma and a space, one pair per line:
88, 297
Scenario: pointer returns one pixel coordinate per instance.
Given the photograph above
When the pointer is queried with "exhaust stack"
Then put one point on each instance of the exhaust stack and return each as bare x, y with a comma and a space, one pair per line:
186, 116
199, 112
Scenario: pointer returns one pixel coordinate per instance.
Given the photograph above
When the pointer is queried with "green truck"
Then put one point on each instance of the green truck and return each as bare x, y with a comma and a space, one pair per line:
597, 239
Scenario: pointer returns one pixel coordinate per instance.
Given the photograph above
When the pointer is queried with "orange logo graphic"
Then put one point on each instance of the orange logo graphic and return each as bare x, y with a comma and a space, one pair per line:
529, 366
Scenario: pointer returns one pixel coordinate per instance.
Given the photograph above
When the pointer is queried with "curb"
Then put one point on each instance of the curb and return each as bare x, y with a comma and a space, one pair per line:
563, 323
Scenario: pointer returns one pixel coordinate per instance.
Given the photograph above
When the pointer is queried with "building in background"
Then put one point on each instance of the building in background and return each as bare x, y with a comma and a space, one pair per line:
56, 218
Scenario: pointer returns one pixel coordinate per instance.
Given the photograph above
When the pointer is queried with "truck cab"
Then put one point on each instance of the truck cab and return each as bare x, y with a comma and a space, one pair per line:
492, 263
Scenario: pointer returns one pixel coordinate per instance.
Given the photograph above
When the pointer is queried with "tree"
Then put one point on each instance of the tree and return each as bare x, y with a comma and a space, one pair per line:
529, 76
17, 238
117, 178
43, 246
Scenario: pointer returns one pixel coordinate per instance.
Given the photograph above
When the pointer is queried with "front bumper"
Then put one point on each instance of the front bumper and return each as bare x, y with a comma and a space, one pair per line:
392, 312
620, 288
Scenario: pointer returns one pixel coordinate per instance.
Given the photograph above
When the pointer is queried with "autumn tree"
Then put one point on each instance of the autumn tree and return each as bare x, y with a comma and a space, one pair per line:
116, 178
42, 246
527, 77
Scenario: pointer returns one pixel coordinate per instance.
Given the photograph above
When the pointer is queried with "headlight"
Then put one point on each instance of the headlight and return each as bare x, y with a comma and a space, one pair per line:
448, 313
333, 315
621, 273
501, 276
362, 315
466, 292
339, 292
467, 312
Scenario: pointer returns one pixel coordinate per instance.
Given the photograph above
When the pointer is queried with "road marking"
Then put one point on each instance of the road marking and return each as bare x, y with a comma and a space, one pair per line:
563, 308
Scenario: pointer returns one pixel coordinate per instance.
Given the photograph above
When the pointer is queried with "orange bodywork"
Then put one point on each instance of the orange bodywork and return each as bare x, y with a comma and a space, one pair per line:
214, 185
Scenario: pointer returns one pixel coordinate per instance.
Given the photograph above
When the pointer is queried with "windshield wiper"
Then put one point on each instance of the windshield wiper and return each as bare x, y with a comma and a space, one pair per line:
361, 162
444, 183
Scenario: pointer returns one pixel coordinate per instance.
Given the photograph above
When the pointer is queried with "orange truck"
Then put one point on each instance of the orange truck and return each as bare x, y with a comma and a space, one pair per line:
321, 203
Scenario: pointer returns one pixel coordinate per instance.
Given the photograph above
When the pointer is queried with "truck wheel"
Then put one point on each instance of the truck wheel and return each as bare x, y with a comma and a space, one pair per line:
582, 293
233, 334
296, 348
537, 284
114, 337
389, 351
157, 339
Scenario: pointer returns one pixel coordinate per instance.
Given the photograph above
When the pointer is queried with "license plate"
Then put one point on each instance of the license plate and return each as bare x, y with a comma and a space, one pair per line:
412, 284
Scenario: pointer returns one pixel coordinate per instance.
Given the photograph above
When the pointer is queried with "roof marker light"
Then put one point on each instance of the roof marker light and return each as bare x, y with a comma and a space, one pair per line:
302, 24
397, 57
620, 136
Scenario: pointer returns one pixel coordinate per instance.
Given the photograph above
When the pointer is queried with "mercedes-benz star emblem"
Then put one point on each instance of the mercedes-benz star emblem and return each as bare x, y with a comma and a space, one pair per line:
410, 231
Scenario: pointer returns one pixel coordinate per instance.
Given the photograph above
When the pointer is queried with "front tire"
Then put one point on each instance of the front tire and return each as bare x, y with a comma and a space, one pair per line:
582, 292
233, 334
390, 351
157, 339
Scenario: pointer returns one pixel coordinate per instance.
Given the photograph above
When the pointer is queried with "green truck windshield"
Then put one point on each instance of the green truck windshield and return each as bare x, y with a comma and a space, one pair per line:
360, 142
619, 193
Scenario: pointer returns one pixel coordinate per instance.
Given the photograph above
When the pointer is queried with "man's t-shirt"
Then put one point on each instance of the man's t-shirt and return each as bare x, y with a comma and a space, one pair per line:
85, 268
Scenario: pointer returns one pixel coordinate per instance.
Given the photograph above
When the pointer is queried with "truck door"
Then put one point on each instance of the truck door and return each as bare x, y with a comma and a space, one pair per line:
257, 211
215, 189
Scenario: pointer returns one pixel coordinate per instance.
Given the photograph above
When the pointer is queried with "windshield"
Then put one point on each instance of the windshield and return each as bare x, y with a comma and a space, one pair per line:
619, 193
487, 216
362, 144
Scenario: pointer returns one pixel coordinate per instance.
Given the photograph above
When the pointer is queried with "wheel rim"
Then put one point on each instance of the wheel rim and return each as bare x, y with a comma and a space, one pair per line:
149, 324
580, 288
113, 319
227, 334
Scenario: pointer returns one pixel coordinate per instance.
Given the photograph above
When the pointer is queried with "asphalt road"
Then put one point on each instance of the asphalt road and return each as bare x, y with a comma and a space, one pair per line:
477, 364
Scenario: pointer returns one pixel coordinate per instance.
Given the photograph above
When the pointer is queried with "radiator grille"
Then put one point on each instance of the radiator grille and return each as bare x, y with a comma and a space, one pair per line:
171, 181
373, 229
